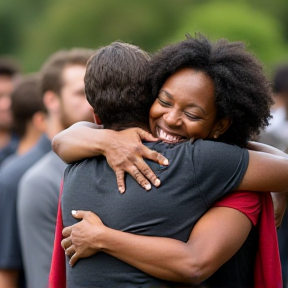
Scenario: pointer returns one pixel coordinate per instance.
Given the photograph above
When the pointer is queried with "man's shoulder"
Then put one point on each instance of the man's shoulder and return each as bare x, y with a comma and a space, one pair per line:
48, 168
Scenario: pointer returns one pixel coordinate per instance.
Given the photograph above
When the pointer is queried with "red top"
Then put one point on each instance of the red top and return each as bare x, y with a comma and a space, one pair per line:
267, 272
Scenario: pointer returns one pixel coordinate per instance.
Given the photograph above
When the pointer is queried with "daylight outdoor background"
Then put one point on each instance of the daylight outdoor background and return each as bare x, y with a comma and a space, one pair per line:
30, 30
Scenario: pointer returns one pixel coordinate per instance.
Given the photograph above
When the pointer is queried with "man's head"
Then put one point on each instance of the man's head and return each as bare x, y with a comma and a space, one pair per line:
27, 104
9, 72
116, 85
63, 86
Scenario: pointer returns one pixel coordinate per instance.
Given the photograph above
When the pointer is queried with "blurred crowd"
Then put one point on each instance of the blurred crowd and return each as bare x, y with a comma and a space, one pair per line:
33, 109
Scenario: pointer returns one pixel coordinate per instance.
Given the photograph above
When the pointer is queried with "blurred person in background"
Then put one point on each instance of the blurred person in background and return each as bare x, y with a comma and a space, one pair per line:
28, 113
28, 108
66, 103
276, 134
9, 73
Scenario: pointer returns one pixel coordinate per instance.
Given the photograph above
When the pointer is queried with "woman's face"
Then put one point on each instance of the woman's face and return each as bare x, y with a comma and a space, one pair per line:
185, 108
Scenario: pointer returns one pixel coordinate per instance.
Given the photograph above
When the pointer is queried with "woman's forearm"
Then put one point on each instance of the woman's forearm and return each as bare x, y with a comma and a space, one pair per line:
78, 142
164, 258
261, 147
174, 260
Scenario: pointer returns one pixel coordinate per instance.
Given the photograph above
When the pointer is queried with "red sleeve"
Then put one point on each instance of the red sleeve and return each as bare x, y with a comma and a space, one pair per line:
246, 202
57, 277
258, 207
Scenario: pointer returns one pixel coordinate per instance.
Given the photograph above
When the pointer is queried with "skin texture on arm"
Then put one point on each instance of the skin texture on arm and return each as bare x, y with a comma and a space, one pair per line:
164, 258
266, 172
81, 141
9, 278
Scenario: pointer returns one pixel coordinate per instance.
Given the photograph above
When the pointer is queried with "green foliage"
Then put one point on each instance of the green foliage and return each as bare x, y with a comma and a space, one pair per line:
237, 21
31, 30
94, 23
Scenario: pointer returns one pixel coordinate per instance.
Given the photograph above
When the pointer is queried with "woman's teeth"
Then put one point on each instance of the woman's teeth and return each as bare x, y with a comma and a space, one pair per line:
164, 136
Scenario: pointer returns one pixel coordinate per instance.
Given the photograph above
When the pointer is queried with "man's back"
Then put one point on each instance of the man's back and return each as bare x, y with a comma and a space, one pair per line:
197, 176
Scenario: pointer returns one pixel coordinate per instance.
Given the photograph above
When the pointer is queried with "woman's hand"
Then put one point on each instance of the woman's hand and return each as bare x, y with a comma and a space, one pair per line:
124, 152
81, 238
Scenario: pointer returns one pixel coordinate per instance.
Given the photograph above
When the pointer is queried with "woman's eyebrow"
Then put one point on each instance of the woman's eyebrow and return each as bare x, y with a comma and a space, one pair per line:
166, 93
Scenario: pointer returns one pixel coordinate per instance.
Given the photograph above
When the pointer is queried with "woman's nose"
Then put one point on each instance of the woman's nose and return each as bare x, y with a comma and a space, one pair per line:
172, 118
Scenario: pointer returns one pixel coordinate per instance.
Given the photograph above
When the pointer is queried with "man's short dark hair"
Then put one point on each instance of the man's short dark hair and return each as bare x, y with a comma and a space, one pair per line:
116, 85
26, 100
52, 69
242, 92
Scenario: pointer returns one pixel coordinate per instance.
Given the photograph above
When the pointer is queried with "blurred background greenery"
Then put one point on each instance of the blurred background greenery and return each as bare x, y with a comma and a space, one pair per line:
30, 30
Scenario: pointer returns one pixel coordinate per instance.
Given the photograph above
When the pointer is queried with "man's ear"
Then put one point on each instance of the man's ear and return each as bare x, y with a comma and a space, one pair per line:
97, 119
221, 126
51, 101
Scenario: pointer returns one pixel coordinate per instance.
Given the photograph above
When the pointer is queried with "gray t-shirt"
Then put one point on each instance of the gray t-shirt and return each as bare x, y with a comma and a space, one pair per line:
37, 211
10, 175
198, 175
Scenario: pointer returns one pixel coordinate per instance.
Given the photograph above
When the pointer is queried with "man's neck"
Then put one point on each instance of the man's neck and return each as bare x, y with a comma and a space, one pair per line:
53, 127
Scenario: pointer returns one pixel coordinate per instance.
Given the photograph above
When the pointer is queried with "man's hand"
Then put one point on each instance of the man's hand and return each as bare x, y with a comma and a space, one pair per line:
80, 238
125, 153
280, 205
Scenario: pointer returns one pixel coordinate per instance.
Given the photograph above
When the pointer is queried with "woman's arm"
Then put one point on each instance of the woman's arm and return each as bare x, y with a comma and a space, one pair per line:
123, 150
267, 171
216, 237
279, 199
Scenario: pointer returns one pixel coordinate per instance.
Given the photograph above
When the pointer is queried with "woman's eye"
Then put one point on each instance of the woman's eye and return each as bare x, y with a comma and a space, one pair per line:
192, 117
163, 103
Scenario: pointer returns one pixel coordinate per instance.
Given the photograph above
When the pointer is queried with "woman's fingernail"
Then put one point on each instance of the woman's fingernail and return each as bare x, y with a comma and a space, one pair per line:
165, 162
148, 186
157, 182
121, 190
74, 212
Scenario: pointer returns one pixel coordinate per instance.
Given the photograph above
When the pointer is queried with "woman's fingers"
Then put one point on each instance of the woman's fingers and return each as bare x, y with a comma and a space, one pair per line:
70, 251
66, 243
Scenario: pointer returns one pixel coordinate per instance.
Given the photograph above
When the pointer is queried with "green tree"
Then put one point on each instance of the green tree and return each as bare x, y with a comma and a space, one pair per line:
93, 23
237, 21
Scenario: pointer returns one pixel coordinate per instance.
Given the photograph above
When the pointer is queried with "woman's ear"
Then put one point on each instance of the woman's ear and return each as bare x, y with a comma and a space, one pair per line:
221, 126
97, 119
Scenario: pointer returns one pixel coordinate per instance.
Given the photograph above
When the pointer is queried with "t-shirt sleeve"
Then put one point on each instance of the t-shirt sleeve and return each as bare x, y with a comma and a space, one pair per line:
219, 168
246, 202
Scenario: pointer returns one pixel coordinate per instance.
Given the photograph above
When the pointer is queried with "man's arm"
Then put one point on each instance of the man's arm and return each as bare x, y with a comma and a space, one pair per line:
164, 258
123, 149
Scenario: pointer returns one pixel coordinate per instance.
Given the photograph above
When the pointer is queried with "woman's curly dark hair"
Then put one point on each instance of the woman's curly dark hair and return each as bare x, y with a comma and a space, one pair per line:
242, 92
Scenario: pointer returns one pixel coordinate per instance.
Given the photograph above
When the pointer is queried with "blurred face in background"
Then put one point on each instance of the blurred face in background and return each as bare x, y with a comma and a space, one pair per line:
74, 105
6, 87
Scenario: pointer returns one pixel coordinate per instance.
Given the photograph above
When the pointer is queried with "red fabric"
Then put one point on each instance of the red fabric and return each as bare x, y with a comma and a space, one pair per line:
267, 272
57, 277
